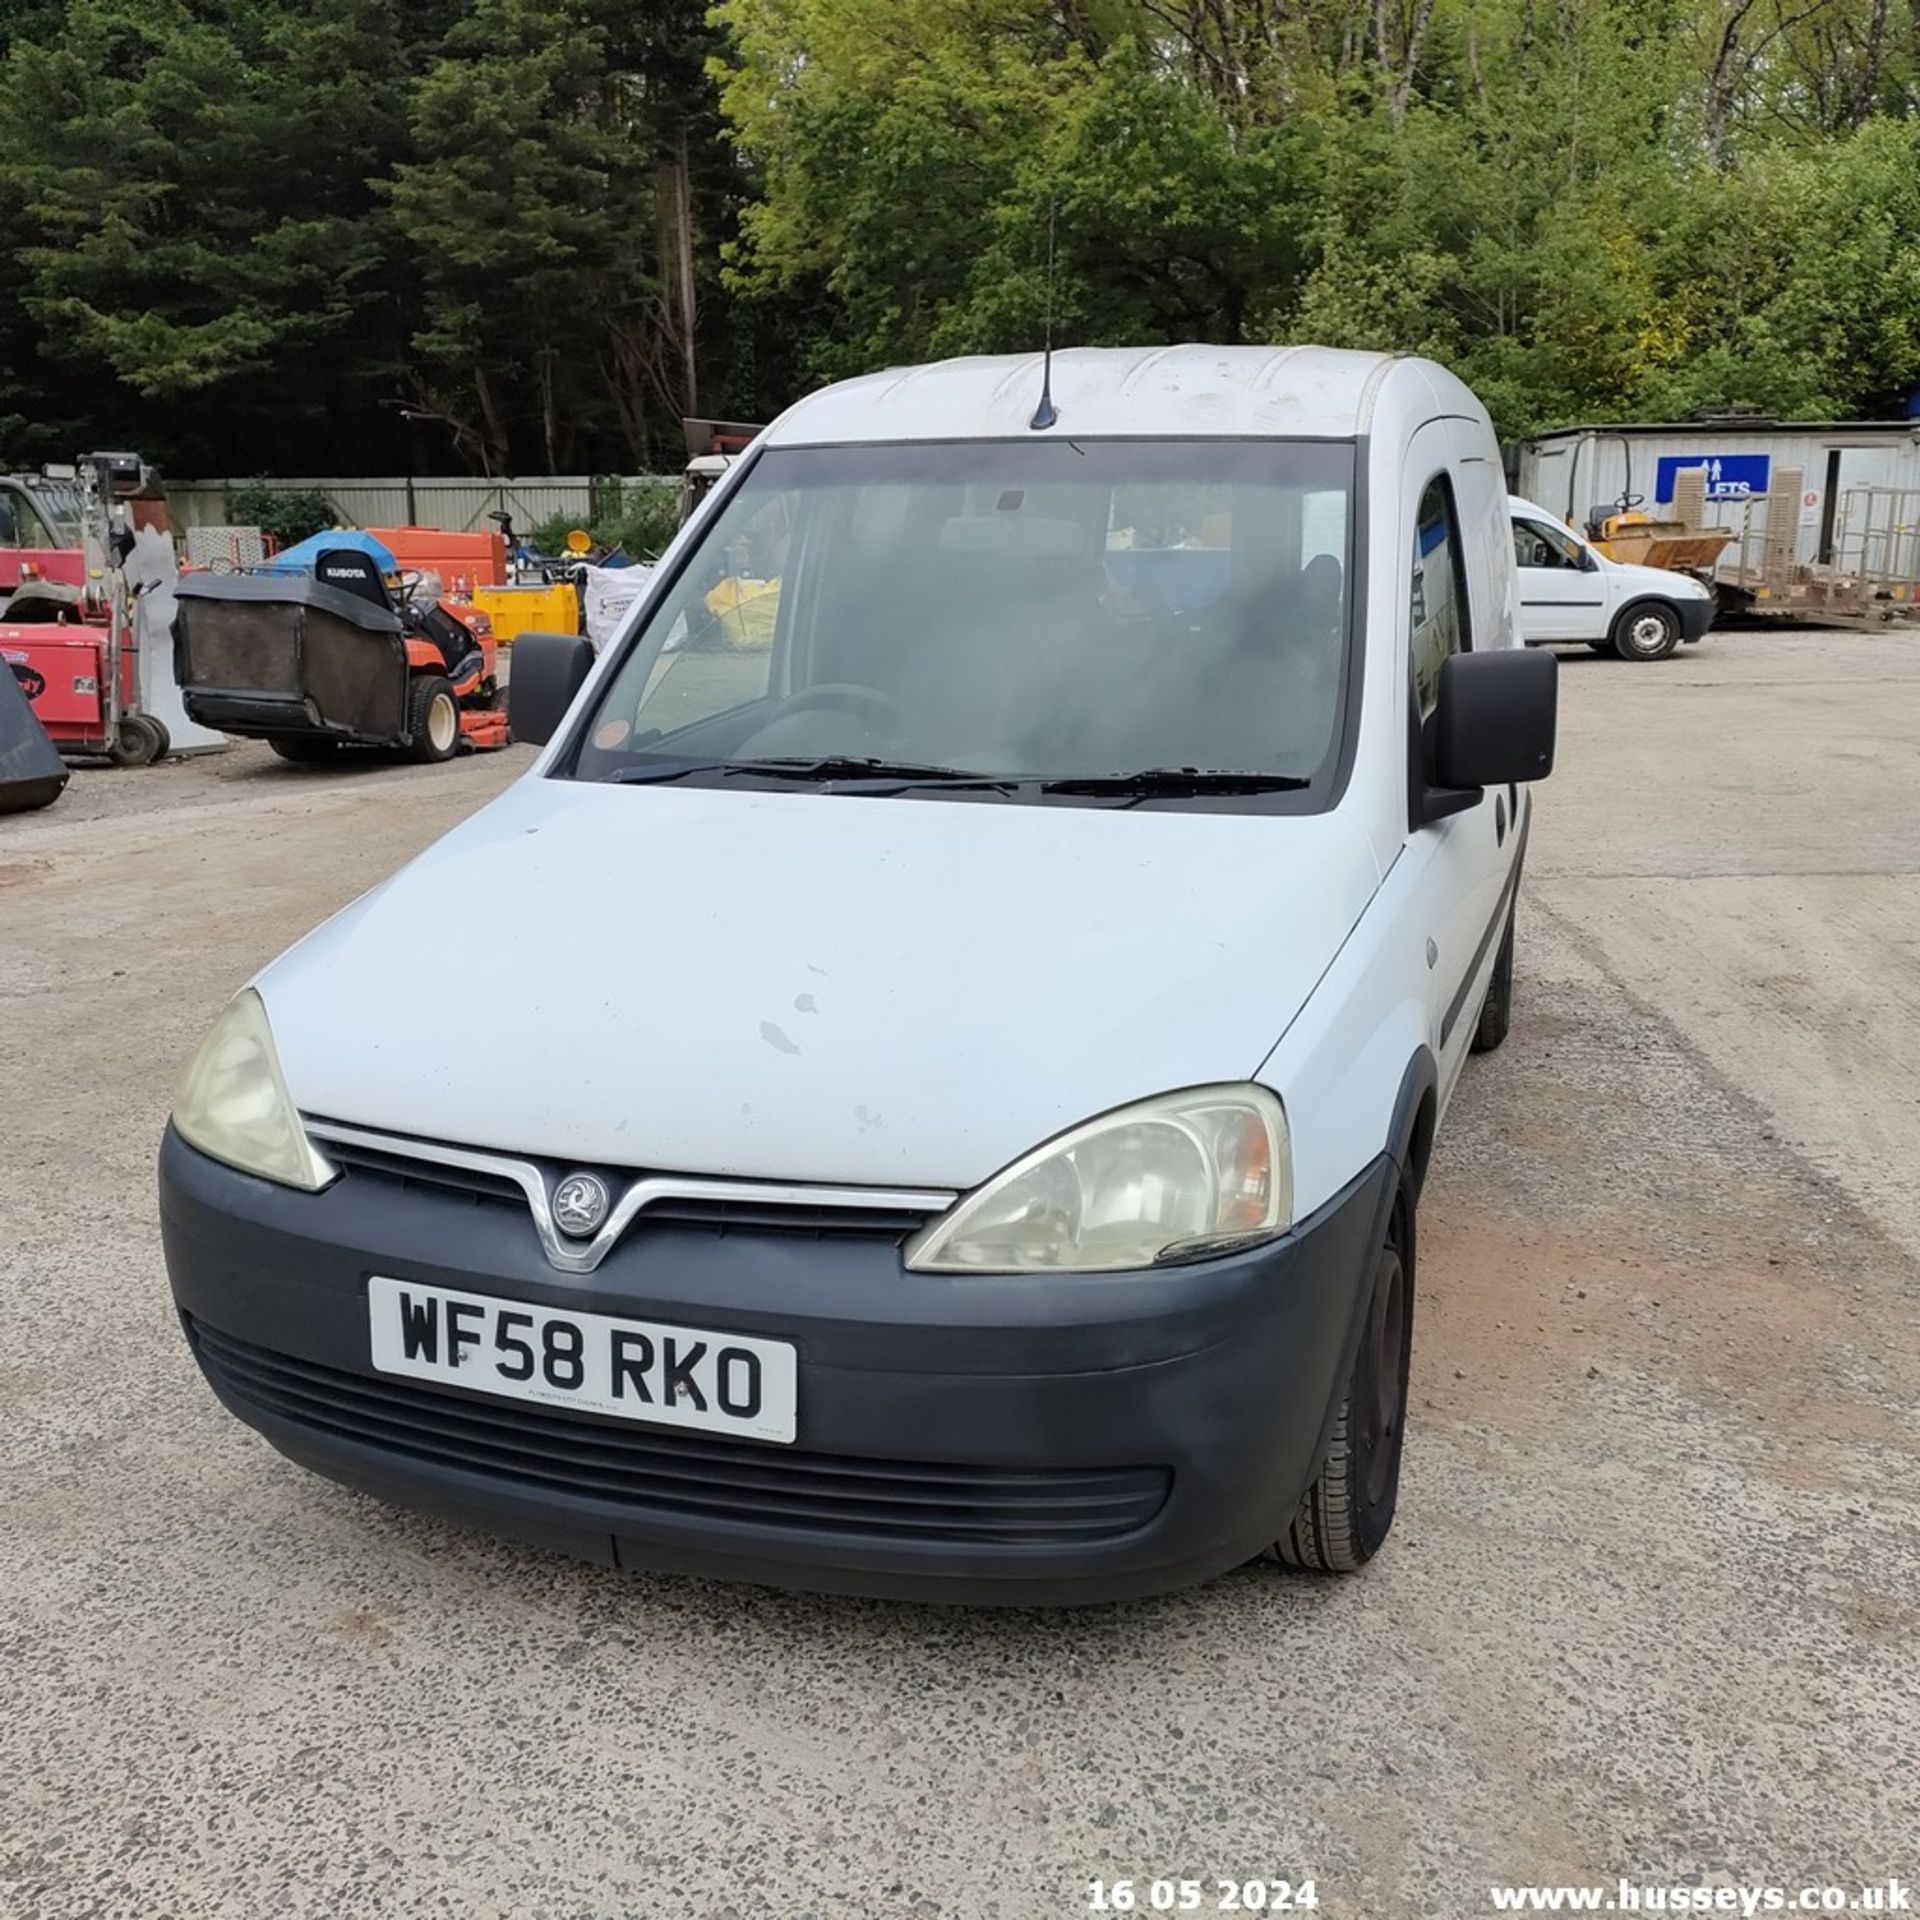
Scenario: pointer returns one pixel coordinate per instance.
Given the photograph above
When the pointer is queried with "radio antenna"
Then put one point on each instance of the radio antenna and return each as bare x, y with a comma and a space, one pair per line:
1044, 415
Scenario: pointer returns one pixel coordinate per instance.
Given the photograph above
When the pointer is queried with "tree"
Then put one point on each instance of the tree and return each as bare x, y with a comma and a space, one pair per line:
194, 219
1612, 208
329, 235
560, 199
918, 174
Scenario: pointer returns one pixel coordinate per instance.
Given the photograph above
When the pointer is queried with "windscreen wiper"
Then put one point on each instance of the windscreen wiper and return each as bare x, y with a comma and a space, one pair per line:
870, 772
1174, 783
859, 766
652, 772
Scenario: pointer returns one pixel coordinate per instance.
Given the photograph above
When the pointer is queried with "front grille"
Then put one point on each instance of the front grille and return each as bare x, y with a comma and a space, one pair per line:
650, 1471
766, 1216
716, 1214
424, 1174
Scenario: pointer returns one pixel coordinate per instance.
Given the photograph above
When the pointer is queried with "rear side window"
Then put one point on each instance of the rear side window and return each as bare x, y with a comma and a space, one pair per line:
1440, 627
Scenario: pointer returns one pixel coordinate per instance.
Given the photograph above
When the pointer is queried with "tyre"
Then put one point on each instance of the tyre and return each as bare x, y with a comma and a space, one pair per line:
163, 740
134, 743
1646, 632
303, 749
1496, 1012
433, 719
1345, 1515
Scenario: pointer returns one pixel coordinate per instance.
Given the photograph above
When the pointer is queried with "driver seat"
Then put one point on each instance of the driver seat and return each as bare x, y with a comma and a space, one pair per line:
354, 572
456, 646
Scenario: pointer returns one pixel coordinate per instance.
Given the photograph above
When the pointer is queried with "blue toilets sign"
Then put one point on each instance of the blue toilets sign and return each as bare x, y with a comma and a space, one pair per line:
1730, 476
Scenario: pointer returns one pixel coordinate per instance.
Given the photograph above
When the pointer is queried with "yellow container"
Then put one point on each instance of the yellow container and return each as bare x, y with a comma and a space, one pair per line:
513, 610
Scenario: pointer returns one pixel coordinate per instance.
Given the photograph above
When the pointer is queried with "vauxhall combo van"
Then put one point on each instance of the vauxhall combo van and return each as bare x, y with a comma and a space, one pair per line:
980, 962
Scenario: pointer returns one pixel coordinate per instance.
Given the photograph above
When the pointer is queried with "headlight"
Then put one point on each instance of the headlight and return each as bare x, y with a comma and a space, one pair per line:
234, 1105
1171, 1178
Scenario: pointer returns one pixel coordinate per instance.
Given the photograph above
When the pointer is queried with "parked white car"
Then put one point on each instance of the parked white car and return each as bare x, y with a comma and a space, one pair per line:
963, 1046
1569, 591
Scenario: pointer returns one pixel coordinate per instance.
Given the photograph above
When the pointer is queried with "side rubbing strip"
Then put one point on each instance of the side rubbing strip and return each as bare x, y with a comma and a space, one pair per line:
1495, 926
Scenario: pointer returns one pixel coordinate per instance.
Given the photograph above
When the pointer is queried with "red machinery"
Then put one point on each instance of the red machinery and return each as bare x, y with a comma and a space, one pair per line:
310, 662
67, 629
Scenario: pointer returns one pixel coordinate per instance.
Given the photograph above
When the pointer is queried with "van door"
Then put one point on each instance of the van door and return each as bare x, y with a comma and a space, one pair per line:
1453, 600
1561, 598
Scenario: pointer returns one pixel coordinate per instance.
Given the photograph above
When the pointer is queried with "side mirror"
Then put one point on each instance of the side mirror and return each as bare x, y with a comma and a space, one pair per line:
1493, 721
548, 670
1494, 718
1589, 560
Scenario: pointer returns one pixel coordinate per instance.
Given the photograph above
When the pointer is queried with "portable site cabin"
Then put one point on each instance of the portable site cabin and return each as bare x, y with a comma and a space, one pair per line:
1859, 481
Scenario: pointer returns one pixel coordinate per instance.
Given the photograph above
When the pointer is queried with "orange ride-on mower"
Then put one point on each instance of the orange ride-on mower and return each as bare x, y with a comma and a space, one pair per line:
313, 662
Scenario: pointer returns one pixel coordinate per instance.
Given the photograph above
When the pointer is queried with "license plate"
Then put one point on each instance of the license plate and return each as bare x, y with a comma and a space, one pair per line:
630, 1369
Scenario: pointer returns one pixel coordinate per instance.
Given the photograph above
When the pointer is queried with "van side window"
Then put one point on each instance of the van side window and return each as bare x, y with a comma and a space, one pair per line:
1440, 619
1538, 546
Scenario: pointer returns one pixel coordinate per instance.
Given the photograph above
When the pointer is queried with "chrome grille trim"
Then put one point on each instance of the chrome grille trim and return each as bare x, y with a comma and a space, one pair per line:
641, 1192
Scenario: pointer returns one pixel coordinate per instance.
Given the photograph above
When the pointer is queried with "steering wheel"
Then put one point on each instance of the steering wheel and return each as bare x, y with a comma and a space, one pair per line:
845, 697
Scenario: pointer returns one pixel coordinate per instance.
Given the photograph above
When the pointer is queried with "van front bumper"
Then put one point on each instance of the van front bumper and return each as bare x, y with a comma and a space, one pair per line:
979, 1439
1696, 617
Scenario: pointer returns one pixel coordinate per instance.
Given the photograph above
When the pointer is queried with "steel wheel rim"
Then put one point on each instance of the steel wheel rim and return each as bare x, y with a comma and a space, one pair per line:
443, 723
1648, 633
1386, 1403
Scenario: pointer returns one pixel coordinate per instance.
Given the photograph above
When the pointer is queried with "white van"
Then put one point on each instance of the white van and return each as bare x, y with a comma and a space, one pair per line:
1570, 591
973, 977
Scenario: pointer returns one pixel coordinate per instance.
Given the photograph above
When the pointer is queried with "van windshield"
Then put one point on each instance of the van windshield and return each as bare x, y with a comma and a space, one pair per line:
1152, 622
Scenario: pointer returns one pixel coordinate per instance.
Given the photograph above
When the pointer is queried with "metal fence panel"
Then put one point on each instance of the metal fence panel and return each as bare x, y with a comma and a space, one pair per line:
456, 502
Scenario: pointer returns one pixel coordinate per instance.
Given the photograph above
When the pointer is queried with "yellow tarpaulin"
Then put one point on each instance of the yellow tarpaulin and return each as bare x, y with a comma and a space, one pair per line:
747, 610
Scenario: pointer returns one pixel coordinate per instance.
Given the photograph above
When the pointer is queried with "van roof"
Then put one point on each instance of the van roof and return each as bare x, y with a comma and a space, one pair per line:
1188, 392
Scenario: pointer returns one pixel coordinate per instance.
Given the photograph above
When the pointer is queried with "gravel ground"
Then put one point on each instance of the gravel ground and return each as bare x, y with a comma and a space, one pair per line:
1650, 1610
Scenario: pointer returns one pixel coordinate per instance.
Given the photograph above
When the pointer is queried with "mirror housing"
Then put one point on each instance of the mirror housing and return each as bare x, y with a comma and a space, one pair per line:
1495, 717
1494, 721
548, 670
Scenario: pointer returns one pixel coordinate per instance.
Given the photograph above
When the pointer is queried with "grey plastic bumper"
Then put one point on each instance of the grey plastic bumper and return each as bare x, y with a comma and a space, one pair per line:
1218, 1379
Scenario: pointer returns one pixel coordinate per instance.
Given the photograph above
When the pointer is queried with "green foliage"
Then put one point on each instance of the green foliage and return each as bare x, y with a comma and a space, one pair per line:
639, 519
526, 235
188, 187
1605, 210
340, 234
287, 516
520, 205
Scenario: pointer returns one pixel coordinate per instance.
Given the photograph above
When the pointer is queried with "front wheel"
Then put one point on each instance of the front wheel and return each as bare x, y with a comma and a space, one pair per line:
1646, 632
1345, 1515
433, 719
